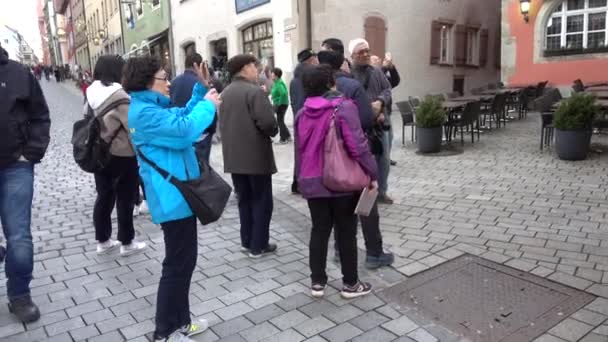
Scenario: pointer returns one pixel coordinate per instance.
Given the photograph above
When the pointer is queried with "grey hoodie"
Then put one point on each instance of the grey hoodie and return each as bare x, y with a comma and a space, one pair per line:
116, 121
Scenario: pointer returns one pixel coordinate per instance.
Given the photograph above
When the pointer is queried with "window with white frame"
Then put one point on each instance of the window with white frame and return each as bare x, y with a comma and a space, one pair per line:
445, 45
472, 46
578, 25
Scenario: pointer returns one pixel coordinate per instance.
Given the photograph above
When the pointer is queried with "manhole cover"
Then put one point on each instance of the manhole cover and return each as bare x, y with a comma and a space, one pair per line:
486, 301
447, 150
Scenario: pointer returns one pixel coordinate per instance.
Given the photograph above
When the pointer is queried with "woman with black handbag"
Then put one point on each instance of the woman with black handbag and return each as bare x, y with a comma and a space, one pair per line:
164, 136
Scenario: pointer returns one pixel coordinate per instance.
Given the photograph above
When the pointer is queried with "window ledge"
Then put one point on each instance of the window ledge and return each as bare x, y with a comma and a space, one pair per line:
571, 52
445, 65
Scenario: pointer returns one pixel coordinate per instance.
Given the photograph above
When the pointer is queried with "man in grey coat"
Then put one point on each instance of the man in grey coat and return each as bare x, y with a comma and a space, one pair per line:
247, 124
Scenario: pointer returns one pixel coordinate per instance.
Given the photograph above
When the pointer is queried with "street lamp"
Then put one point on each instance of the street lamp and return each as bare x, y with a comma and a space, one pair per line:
524, 6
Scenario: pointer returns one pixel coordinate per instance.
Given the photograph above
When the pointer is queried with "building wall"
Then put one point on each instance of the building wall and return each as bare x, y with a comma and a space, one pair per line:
46, 56
153, 22
10, 42
224, 22
523, 61
103, 15
408, 37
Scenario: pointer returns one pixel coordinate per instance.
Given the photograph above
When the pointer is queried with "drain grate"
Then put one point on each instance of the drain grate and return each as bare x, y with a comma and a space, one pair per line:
486, 301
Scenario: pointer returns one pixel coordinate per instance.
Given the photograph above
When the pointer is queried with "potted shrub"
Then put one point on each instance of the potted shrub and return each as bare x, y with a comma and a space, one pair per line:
573, 126
430, 117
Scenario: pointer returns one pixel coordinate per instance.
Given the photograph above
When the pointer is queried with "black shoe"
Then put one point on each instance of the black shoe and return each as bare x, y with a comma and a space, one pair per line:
2, 254
294, 189
384, 259
393, 163
24, 309
270, 249
357, 290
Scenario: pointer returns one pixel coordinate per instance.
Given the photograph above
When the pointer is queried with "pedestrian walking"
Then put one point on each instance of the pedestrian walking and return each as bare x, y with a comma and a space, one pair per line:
306, 58
280, 101
165, 135
24, 138
379, 91
248, 124
330, 209
376, 257
117, 183
181, 92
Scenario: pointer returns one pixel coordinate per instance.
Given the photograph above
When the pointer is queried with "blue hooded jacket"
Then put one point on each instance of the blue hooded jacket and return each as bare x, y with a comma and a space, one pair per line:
165, 135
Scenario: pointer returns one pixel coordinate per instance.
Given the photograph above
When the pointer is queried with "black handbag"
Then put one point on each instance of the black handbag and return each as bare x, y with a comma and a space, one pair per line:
206, 195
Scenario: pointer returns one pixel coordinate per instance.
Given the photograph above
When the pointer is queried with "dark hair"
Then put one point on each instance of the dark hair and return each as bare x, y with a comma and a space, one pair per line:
236, 63
334, 44
139, 73
332, 58
108, 69
193, 58
277, 72
318, 80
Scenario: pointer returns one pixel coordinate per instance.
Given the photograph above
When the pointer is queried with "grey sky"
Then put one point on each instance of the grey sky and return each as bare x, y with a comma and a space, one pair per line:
21, 15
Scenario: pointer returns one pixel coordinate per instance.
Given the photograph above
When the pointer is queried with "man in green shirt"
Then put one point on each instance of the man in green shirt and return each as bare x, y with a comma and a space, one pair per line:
280, 100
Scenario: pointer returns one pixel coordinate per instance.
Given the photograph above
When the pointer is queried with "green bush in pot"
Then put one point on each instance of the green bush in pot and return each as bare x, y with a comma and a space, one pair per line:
573, 122
430, 117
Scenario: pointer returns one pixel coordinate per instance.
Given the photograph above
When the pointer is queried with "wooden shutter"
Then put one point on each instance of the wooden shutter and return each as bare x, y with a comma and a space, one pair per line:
375, 34
460, 45
435, 42
483, 48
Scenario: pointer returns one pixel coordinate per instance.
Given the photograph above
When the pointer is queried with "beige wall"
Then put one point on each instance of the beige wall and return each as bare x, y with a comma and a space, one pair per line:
111, 24
409, 37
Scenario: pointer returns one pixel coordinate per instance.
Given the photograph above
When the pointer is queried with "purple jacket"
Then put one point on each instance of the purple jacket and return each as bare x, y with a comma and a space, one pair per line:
311, 127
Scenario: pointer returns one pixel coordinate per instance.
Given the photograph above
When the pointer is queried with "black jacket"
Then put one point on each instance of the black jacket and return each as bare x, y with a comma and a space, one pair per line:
392, 75
297, 96
353, 90
24, 115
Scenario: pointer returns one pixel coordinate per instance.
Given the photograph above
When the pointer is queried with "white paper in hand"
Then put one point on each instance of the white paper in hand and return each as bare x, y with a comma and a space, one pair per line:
366, 202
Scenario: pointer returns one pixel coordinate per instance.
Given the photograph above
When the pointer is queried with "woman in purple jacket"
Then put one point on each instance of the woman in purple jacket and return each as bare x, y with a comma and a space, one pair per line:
327, 208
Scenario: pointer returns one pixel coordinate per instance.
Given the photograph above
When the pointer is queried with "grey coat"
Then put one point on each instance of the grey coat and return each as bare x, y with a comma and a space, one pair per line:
247, 123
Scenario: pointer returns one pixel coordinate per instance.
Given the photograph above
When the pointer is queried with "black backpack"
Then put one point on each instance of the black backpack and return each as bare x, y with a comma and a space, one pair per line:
90, 151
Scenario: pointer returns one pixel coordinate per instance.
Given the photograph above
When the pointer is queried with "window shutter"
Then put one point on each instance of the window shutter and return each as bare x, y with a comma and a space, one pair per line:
375, 34
435, 42
483, 48
460, 46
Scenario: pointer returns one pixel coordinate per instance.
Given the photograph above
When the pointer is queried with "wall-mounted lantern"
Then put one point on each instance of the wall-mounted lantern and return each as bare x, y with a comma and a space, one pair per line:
524, 6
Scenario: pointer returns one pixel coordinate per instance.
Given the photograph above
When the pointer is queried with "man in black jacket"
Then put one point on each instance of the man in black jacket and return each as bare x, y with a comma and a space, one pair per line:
24, 137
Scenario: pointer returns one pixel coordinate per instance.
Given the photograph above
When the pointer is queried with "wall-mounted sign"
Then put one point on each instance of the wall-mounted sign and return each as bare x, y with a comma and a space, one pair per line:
245, 5
290, 27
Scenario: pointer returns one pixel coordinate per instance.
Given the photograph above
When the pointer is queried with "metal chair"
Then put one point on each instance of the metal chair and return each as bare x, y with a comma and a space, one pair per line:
469, 119
408, 118
496, 111
544, 105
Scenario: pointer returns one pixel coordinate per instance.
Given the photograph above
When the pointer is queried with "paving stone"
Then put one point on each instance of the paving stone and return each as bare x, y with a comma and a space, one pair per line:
342, 332
111, 336
264, 314
232, 326
599, 290
400, 326
63, 326
80, 310
115, 323
571, 330
314, 326
548, 338
422, 335
569, 280
600, 305
369, 320
263, 300
589, 317
413, 268
84, 333
11, 329
97, 316
287, 335
377, 335
233, 310
259, 332
594, 338
139, 329
205, 307
343, 314
233, 338
368, 303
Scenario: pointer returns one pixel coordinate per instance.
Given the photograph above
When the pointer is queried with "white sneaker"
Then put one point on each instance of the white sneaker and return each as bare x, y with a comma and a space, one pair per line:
136, 211
143, 208
177, 336
134, 247
197, 326
107, 247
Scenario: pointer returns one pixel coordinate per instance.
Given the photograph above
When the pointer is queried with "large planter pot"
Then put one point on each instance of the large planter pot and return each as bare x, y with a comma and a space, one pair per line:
429, 139
572, 145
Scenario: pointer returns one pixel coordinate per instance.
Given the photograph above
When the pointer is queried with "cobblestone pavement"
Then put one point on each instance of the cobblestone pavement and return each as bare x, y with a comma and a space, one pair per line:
501, 199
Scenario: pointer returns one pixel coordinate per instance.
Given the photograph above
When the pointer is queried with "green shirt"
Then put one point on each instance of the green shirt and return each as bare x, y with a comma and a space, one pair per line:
279, 93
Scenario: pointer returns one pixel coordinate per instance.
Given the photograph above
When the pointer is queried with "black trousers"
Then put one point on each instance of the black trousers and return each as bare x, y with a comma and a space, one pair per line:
283, 130
181, 250
254, 194
116, 185
370, 226
338, 213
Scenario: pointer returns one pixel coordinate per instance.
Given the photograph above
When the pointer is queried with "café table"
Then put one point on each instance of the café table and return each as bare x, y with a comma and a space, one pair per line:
600, 94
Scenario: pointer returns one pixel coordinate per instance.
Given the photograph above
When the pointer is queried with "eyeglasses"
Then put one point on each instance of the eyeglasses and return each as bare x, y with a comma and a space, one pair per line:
166, 78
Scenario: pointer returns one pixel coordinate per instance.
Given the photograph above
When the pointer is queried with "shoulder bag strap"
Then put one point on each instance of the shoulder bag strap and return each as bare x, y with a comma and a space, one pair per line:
158, 169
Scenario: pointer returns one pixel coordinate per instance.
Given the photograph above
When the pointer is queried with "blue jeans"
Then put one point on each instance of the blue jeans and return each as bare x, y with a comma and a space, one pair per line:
384, 164
16, 193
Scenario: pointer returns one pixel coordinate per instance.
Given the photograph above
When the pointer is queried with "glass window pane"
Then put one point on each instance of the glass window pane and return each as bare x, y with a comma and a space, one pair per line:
597, 3
248, 35
558, 9
574, 41
597, 21
596, 40
554, 26
553, 43
576, 5
269, 28
575, 23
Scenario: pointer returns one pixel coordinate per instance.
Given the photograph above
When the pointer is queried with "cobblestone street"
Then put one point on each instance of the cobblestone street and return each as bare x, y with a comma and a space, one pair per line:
502, 199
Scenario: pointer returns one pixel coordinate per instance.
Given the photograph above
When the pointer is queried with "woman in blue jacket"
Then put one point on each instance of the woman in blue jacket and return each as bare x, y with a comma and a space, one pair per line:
166, 136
